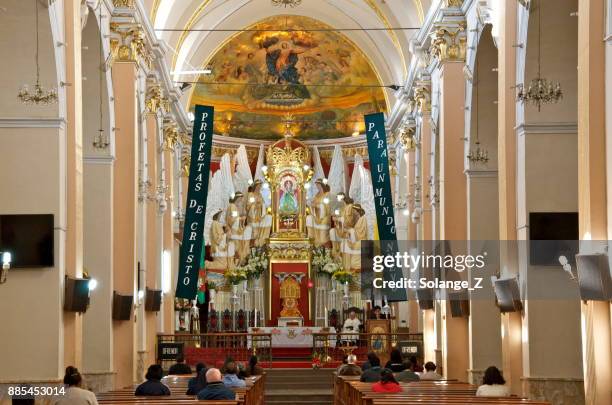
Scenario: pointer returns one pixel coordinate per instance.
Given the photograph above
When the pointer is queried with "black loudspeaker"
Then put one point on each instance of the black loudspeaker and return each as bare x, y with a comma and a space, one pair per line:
594, 277
122, 306
76, 294
508, 295
425, 298
459, 305
153, 300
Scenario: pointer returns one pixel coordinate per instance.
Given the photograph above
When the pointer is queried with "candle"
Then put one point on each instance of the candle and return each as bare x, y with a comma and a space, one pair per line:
326, 320
255, 321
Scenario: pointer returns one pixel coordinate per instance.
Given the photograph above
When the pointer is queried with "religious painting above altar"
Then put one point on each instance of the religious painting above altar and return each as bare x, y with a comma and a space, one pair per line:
285, 63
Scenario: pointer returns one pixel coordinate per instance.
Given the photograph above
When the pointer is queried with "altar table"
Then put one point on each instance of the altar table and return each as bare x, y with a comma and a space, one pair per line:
289, 336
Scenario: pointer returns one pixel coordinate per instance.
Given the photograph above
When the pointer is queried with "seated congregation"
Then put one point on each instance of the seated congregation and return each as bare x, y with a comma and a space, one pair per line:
400, 381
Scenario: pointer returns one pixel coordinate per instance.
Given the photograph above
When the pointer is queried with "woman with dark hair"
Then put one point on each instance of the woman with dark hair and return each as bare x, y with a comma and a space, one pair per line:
254, 369
396, 363
153, 386
387, 383
197, 383
414, 364
493, 384
368, 363
75, 395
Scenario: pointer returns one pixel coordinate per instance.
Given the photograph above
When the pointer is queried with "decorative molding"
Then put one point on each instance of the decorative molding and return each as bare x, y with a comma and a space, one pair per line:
547, 128
559, 391
448, 43
155, 100
128, 44
99, 382
480, 173
59, 123
98, 160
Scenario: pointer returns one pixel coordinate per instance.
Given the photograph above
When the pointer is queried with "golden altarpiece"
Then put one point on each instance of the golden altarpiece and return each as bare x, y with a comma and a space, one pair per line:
288, 173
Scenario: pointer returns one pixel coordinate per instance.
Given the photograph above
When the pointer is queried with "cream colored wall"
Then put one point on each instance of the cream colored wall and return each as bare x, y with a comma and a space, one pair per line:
548, 182
97, 260
32, 177
551, 171
559, 57
17, 42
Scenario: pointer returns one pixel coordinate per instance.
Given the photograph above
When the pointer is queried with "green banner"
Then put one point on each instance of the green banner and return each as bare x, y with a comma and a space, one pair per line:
195, 210
383, 199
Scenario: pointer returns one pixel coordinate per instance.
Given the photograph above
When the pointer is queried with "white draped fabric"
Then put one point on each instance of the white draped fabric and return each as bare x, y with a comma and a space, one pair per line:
291, 336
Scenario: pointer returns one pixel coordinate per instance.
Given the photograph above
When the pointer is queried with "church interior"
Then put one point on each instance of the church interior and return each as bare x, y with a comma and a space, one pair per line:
198, 198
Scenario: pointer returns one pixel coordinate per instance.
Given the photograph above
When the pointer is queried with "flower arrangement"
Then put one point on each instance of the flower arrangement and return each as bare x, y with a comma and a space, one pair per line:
255, 263
343, 276
235, 276
323, 262
316, 360
210, 285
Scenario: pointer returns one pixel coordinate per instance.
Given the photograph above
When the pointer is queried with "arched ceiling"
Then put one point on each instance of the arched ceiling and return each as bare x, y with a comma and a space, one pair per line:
284, 62
386, 49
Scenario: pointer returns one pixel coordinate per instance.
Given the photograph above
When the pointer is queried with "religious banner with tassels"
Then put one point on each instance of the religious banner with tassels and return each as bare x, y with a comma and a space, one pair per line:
383, 199
195, 210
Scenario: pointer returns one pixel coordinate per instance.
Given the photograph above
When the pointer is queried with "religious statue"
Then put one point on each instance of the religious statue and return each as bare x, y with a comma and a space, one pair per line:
320, 219
290, 294
221, 249
240, 233
335, 233
345, 221
288, 201
354, 235
255, 211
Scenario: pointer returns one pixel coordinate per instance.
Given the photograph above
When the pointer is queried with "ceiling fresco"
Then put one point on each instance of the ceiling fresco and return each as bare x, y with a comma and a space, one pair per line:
310, 75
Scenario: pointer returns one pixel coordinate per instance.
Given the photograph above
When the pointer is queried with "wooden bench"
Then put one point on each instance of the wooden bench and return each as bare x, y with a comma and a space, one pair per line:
351, 391
252, 394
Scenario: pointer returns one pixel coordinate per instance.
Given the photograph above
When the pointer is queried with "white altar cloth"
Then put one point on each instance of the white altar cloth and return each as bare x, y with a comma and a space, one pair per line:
289, 336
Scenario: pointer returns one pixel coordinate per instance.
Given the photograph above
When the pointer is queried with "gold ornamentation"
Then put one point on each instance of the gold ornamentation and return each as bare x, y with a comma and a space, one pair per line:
422, 97
407, 139
449, 44
453, 3
171, 136
290, 294
154, 98
185, 163
128, 44
123, 3
289, 250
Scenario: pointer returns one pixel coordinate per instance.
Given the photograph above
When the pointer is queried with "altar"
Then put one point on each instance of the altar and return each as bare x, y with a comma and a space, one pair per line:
294, 337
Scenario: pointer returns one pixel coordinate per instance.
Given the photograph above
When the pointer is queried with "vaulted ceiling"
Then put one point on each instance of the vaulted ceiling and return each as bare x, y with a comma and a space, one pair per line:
185, 26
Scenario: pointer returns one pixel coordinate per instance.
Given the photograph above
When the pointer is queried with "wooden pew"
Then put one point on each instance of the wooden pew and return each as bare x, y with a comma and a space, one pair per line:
350, 391
252, 394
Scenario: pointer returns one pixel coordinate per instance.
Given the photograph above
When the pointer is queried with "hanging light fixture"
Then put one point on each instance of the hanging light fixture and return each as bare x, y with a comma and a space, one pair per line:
38, 94
477, 154
100, 139
540, 90
286, 3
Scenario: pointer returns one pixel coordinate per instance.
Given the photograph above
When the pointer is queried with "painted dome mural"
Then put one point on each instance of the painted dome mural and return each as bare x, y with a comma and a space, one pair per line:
288, 63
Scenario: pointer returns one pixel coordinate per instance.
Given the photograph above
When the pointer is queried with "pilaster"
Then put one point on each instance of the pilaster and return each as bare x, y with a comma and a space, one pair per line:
125, 198
73, 322
594, 154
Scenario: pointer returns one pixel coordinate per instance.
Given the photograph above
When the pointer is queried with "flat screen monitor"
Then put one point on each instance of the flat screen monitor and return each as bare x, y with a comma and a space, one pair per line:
29, 239
552, 234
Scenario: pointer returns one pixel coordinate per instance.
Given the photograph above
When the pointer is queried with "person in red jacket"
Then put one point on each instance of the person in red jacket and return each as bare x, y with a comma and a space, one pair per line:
387, 383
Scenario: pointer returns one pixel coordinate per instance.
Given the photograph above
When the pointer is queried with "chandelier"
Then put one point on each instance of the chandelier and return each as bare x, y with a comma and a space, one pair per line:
286, 3
477, 154
540, 90
38, 94
101, 141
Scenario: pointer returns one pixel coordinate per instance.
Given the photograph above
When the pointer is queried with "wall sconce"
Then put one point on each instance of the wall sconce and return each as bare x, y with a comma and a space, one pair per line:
6, 265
